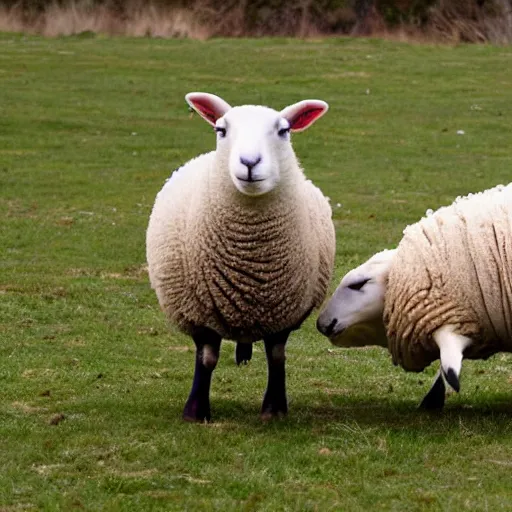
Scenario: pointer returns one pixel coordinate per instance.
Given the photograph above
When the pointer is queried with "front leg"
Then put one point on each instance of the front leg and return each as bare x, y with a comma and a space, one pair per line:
434, 399
274, 402
207, 343
451, 352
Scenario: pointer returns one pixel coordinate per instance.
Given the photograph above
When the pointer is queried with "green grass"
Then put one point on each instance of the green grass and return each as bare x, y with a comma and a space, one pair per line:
92, 381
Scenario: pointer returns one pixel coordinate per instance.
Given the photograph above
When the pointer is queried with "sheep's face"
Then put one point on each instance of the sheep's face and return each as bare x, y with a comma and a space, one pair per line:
353, 315
253, 142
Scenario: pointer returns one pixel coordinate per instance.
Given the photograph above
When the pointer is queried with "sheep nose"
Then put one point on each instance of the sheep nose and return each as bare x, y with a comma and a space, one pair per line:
327, 330
250, 164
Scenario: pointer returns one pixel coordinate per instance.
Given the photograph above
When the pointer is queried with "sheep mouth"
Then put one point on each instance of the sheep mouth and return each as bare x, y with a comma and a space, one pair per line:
336, 334
330, 330
252, 180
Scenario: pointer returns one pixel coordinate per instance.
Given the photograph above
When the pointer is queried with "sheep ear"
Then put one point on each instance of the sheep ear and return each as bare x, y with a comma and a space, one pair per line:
303, 114
208, 106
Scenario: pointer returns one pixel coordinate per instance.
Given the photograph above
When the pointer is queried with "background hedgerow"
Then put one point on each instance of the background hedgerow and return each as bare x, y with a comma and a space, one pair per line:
425, 20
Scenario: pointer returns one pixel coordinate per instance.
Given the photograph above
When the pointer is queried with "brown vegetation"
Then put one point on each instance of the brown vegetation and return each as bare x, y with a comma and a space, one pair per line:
439, 20
78, 17
472, 21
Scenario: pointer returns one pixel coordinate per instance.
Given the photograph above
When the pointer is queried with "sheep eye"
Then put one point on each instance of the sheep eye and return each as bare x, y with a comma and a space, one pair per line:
221, 132
283, 131
357, 286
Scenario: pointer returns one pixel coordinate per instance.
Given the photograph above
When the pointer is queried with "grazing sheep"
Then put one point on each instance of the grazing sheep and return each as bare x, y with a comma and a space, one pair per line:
445, 292
240, 245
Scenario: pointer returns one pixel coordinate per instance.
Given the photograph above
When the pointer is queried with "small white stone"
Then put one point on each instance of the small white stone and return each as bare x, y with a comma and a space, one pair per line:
460, 132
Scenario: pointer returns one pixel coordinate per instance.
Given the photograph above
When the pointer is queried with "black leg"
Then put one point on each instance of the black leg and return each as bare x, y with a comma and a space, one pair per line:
243, 353
274, 402
434, 399
207, 343
452, 379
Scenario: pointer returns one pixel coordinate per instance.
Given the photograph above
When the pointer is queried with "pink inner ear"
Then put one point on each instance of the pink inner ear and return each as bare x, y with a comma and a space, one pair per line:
305, 117
207, 109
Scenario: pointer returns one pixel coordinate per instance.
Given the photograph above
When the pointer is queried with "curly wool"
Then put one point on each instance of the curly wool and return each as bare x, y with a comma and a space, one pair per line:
219, 260
453, 267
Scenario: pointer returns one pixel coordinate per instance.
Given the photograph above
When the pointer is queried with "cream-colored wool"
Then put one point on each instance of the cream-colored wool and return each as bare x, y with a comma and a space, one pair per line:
453, 267
243, 266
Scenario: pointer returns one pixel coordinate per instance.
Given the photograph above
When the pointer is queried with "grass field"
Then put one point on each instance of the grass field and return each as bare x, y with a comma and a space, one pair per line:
92, 381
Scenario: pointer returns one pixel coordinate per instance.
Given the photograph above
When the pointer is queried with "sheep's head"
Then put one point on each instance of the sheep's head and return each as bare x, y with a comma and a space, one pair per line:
254, 141
353, 316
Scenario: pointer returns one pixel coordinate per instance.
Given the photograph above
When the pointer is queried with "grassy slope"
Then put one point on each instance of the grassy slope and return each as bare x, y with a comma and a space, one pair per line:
89, 130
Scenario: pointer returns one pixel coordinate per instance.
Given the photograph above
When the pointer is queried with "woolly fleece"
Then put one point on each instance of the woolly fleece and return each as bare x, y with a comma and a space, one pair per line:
453, 267
242, 266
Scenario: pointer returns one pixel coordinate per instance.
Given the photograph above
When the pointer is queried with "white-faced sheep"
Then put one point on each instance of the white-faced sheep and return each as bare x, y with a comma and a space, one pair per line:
239, 244
444, 293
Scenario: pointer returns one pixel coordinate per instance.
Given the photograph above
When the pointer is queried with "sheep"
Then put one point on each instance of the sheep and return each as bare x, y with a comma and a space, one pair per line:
240, 245
444, 293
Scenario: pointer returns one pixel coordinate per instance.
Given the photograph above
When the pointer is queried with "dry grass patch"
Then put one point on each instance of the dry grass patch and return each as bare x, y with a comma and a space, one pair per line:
80, 18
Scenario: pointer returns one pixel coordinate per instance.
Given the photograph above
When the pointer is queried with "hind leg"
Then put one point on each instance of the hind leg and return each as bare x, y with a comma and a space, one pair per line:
243, 353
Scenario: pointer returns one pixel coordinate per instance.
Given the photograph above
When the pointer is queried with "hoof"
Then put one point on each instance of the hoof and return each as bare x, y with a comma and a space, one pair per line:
196, 419
275, 409
434, 399
243, 353
267, 416
196, 413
